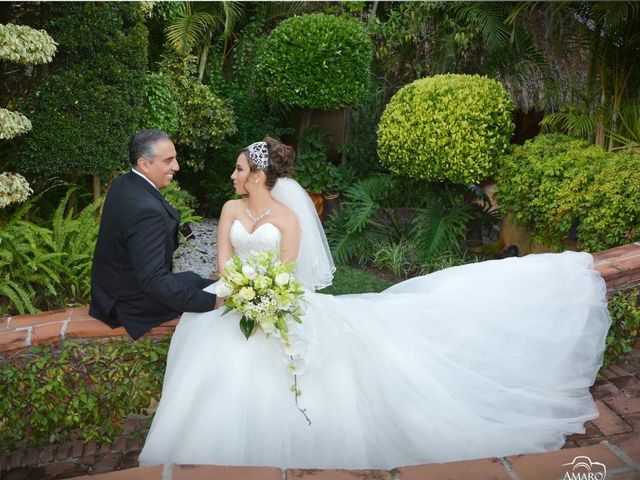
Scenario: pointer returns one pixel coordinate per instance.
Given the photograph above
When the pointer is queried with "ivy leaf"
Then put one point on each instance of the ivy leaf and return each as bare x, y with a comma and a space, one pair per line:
247, 326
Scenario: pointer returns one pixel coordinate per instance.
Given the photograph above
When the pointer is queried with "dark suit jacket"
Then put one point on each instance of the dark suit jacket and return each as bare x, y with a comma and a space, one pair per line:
131, 280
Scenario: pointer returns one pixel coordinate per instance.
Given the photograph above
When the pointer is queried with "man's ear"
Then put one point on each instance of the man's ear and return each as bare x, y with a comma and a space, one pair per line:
142, 164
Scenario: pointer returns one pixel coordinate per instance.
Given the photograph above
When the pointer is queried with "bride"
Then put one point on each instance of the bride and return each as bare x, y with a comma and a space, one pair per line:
487, 359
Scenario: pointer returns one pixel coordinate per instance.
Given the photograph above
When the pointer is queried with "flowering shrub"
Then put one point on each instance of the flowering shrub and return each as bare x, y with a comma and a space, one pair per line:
14, 188
22, 44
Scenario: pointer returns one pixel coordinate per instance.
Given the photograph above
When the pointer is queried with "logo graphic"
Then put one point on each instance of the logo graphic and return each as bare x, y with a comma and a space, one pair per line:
582, 468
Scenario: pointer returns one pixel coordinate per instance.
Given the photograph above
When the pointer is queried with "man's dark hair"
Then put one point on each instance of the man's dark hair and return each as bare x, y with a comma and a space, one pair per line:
143, 144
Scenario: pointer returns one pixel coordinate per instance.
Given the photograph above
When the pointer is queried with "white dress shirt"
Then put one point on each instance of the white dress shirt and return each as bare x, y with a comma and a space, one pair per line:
150, 182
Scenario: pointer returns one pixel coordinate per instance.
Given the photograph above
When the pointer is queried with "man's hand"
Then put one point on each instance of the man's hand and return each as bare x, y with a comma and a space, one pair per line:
219, 302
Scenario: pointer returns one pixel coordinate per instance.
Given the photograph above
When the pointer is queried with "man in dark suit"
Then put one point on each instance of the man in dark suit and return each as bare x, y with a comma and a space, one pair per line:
131, 281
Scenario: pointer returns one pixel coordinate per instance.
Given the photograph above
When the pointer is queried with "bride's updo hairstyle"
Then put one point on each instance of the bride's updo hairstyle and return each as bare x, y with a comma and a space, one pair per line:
272, 157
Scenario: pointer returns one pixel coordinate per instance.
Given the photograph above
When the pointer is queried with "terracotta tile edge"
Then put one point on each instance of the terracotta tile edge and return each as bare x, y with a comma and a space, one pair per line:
622, 455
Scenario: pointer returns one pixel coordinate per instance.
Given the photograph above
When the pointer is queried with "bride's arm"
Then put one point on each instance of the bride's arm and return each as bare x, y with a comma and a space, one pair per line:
225, 250
290, 241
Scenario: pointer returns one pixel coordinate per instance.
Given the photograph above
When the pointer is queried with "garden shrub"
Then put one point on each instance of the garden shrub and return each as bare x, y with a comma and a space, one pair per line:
446, 128
53, 391
370, 227
312, 168
45, 263
316, 61
48, 265
23, 45
85, 110
555, 183
187, 110
625, 325
251, 108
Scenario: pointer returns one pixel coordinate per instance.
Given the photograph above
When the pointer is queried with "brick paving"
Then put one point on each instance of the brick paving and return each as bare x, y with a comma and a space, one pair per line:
613, 439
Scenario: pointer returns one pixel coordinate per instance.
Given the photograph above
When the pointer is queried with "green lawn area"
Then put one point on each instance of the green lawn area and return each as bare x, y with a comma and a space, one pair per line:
353, 280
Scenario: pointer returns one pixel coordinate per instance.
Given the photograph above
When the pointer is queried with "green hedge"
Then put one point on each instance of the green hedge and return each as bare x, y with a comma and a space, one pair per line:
85, 110
556, 182
52, 392
316, 61
446, 128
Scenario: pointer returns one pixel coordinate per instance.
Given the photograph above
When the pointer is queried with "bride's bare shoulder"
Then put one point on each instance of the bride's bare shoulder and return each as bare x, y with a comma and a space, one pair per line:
230, 206
285, 216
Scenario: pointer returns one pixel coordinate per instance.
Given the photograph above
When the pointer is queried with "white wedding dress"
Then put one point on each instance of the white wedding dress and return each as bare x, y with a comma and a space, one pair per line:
487, 359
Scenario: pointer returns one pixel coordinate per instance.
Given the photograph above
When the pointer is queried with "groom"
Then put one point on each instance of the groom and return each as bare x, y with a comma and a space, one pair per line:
131, 280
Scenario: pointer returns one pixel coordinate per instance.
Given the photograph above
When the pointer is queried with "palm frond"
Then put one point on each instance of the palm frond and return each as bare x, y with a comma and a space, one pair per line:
189, 29
490, 18
437, 230
233, 12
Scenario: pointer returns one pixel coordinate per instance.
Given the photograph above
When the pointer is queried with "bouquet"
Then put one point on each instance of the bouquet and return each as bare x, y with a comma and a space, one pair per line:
264, 291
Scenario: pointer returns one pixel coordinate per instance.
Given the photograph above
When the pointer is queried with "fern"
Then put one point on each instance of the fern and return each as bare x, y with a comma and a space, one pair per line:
47, 266
369, 229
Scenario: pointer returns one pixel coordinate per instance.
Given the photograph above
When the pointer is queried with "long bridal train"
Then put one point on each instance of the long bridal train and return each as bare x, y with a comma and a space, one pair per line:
487, 359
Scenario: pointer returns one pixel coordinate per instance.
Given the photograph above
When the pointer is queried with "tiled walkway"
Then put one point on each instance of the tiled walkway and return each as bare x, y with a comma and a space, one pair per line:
612, 440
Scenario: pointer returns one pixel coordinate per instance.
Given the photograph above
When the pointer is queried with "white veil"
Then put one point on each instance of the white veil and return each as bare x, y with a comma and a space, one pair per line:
314, 266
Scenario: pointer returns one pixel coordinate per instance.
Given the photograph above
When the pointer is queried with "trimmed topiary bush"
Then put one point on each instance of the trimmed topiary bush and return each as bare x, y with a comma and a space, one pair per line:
85, 110
316, 61
556, 182
446, 128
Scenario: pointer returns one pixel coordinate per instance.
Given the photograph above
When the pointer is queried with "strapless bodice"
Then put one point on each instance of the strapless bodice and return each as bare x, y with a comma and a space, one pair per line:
264, 238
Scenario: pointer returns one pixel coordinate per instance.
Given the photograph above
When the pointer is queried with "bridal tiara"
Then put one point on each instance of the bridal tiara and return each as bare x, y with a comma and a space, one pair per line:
259, 155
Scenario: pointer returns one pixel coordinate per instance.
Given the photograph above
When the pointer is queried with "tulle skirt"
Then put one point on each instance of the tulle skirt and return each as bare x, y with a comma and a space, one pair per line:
487, 359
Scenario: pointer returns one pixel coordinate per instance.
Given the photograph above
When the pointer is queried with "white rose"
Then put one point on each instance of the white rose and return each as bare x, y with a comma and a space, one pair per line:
282, 279
247, 293
223, 289
249, 272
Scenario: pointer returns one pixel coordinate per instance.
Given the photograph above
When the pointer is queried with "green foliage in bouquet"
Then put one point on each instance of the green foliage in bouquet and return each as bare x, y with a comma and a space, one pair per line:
316, 61
89, 388
556, 182
264, 291
446, 128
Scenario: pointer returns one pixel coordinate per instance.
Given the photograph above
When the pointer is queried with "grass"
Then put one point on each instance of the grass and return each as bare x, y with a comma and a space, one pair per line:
354, 280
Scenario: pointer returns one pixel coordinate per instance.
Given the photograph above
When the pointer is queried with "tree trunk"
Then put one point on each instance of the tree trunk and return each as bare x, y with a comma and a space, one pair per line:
305, 122
203, 57
372, 14
96, 187
346, 136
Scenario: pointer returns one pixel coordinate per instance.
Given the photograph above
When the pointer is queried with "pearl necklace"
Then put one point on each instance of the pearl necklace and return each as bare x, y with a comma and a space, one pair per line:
258, 218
